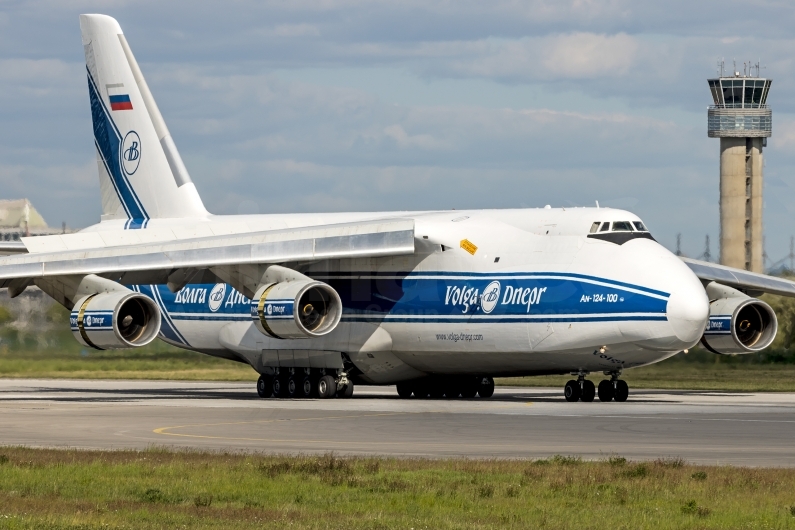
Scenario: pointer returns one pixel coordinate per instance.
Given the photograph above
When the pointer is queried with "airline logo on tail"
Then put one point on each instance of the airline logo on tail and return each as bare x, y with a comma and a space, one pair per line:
119, 98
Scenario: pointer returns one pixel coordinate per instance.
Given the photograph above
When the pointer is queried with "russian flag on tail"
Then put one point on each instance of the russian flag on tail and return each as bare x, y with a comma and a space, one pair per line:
119, 98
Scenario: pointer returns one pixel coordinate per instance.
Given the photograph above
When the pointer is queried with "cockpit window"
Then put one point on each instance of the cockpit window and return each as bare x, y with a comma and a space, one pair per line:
605, 227
595, 227
640, 227
622, 226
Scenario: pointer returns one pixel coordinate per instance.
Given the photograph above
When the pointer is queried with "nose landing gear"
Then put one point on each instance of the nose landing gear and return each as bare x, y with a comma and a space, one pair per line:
582, 389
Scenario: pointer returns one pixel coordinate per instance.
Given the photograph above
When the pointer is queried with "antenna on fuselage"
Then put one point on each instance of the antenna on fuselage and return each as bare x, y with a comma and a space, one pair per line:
597, 204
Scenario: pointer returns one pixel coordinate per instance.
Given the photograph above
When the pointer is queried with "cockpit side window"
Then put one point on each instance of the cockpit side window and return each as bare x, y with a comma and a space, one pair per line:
622, 226
595, 227
640, 227
605, 227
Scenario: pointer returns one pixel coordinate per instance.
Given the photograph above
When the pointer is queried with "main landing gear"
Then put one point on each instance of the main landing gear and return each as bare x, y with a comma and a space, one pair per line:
304, 383
582, 389
447, 387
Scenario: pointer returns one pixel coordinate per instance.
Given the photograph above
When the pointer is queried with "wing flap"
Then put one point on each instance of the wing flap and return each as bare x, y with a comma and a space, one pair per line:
385, 237
740, 279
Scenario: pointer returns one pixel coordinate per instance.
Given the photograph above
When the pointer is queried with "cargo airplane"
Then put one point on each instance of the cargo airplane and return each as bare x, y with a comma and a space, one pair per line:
437, 303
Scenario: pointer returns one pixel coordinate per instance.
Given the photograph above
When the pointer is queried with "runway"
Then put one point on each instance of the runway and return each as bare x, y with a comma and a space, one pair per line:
753, 429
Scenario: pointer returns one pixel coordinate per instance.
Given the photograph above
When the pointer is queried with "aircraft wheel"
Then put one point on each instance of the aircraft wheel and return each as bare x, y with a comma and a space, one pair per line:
486, 387
588, 391
279, 387
469, 388
404, 390
292, 387
326, 387
306, 387
572, 391
436, 390
346, 391
622, 391
452, 389
605, 390
421, 390
265, 386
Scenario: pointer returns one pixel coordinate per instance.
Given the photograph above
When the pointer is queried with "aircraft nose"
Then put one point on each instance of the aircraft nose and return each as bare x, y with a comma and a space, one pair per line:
688, 308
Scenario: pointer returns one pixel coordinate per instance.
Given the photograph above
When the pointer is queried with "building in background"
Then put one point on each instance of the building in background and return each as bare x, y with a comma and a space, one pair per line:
18, 218
742, 120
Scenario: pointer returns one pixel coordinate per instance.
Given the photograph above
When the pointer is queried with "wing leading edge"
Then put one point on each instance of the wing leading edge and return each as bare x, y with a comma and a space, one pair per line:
385, 237
740, 279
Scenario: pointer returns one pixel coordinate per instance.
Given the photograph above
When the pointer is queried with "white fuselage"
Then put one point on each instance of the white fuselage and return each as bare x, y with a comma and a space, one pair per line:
495, 292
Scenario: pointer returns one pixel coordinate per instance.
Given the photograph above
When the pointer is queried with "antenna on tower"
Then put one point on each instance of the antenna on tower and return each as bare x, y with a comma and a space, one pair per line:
707, 256
765, 258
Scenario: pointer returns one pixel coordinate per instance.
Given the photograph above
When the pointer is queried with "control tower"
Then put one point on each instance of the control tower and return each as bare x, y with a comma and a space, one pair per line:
743, 122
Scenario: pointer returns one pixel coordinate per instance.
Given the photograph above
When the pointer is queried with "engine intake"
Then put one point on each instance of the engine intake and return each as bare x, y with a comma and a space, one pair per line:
739, 324
296, 309
115, 320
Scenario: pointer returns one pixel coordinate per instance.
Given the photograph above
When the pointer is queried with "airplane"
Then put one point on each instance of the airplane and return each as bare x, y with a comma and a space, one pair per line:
438, 303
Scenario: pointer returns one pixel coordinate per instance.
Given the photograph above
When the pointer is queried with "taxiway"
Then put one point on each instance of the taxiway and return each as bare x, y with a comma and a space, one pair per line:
702, 427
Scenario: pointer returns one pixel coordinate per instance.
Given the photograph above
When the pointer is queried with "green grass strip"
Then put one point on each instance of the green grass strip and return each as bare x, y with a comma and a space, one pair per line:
42, 489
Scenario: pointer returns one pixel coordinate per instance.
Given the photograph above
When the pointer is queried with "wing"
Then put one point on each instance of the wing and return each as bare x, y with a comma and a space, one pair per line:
106, 254
741, 279
12, 247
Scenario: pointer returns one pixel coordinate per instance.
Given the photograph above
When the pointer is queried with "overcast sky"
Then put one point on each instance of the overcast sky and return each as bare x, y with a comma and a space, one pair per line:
342, 105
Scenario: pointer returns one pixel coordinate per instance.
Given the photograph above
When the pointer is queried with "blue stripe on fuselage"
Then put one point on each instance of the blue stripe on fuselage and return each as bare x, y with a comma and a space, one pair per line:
451, 297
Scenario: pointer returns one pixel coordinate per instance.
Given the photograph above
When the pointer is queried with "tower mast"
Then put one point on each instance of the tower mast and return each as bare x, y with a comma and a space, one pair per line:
742, 120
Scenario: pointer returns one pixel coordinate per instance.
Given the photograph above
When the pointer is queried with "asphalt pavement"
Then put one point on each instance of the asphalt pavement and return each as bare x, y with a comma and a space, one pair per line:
756, 429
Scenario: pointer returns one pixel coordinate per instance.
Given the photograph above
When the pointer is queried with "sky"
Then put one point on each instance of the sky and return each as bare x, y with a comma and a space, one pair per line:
348, 105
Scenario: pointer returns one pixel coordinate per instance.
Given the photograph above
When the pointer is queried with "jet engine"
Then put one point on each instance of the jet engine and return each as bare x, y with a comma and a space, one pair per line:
738, 323
296, 309
115, 320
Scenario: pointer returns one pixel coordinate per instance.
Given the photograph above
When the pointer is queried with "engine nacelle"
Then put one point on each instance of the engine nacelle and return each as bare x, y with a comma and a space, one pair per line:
739, 324
296, 309
117, 319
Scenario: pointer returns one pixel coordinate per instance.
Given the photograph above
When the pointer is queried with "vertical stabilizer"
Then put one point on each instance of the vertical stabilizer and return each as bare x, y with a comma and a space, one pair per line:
141, 173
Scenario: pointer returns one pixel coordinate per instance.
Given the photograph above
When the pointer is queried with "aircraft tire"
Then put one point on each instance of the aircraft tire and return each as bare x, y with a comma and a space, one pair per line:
605, 390
452, 389
279, 386
436, 390
421, 390
469, 388
326, 387
622, 391
588, 391
293, 387
572, 391
404, 390
346, 391
306, 387
265, 386
486, 387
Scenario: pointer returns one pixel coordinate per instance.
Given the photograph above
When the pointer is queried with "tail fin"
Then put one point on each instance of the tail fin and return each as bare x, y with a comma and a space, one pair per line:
141, 174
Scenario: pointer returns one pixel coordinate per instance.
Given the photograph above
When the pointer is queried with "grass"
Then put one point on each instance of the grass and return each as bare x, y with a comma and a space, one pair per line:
44, 489
155, 361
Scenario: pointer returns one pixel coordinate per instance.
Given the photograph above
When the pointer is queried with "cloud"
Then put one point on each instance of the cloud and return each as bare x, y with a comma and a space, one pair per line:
283, 105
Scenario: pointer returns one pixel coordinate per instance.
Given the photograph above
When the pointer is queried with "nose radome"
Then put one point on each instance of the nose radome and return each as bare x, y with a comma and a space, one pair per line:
688, 311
